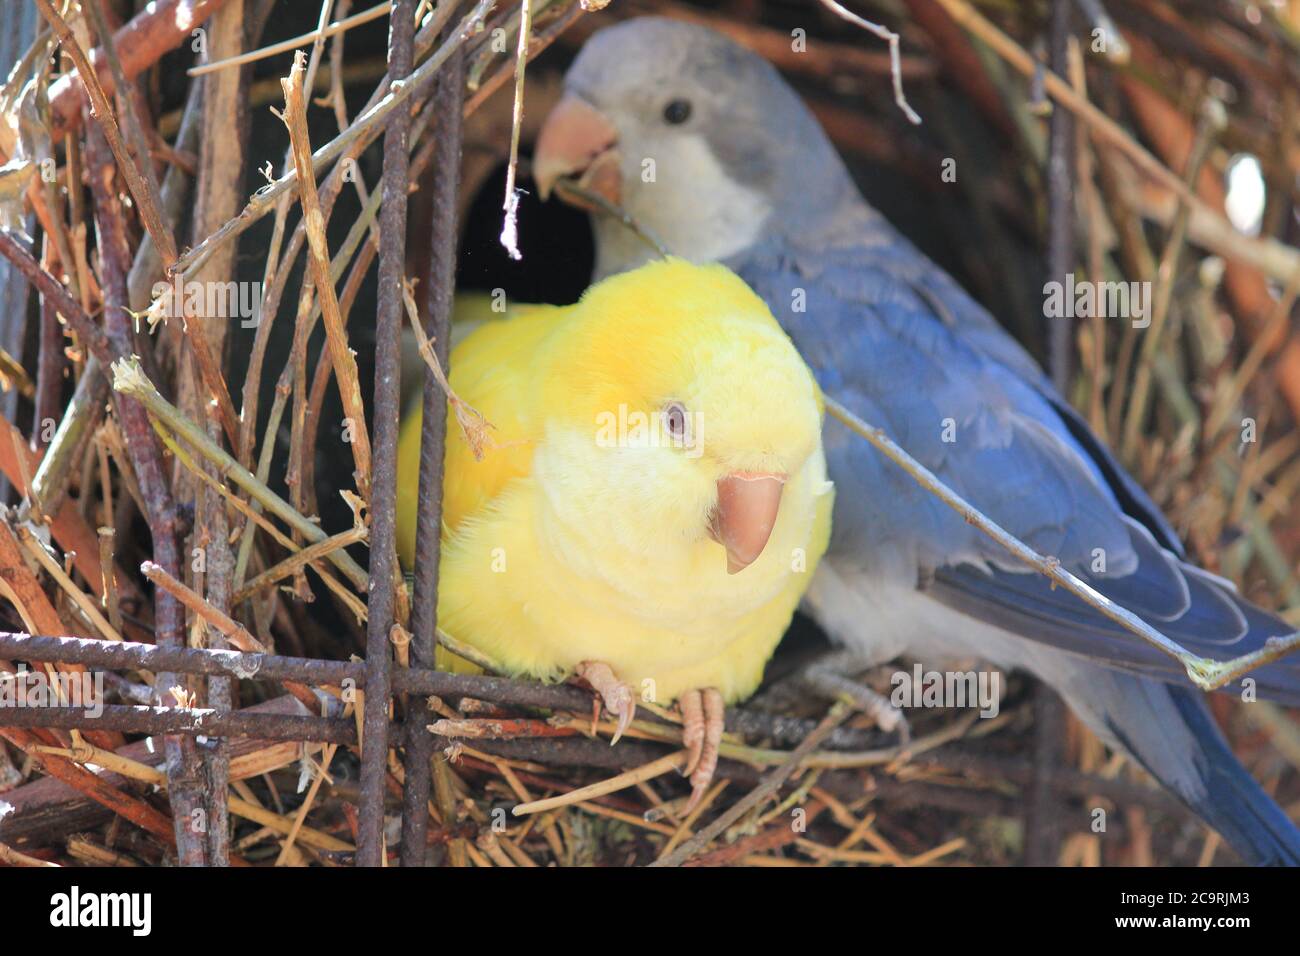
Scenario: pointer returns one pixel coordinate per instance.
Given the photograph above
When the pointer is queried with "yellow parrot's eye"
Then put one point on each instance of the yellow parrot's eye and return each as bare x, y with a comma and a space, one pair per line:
675, 420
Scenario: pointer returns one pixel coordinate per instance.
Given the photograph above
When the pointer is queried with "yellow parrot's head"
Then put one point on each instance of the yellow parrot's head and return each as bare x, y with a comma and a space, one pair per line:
679, 411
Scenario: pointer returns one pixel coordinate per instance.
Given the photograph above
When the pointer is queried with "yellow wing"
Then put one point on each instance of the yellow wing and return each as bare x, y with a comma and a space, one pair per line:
489, 371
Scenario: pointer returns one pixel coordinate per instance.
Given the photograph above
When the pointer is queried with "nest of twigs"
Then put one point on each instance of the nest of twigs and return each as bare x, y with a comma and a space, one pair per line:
175, 525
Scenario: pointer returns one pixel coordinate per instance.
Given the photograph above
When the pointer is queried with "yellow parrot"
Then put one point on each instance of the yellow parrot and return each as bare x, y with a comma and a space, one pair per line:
653, 500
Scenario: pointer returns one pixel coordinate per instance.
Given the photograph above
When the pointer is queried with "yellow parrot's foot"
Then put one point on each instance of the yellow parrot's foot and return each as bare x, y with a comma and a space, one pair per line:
617, 695
702, 724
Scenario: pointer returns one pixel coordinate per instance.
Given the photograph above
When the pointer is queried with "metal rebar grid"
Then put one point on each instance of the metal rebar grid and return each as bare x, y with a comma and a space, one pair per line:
130, 655
259, 723
187, 721
441, 291
383, 479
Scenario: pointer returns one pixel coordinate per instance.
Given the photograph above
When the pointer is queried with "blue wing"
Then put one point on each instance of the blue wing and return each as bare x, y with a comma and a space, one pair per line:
892, 337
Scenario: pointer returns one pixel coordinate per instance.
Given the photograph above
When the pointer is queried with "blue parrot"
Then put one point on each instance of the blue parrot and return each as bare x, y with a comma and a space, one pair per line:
705, 145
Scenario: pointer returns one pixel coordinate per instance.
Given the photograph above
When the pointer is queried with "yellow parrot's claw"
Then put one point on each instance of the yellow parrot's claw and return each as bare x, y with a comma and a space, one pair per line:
703, 713
618, 696
624, 720
691, 704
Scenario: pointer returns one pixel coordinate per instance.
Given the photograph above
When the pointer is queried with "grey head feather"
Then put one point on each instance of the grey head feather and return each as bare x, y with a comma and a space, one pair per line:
755, 125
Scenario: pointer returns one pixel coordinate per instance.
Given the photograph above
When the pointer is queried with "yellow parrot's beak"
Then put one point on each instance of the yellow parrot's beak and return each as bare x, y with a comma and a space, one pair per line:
745, 515
577, 140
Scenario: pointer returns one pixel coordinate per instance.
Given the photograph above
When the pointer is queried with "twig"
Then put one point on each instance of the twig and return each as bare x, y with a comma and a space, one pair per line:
300, 559
20, 585
142, 190
474, 427
608, 208
50, 362
222, 622
510, 205
85, 411
159, 27
347, 597
318, 777
363, 129
766, 788
1213, 120
37, 549
91, 335
1207, 226
293, 378
536, 44
108, 573
135, 131
499, 728
184, 789
655, 768
130, 379
11, 857
1260, 349
895, 63
345, 365
252, 56
220, 166
101, 791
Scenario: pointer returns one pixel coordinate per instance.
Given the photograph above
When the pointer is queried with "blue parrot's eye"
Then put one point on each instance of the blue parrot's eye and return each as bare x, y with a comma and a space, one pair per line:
677, 112
675, 419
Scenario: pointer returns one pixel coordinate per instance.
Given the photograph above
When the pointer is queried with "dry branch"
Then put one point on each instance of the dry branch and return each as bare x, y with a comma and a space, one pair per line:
345, 365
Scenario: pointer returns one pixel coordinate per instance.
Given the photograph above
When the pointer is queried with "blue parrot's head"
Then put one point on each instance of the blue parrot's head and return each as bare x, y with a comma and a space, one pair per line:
698, 138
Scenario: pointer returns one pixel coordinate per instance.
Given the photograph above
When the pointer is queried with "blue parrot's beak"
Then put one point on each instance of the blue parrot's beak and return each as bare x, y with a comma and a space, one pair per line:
578, 141
745, 515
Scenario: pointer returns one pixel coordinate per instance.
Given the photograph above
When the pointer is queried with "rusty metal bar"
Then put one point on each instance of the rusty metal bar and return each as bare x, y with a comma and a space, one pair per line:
441, 290
189, 721
130, 655
383, 477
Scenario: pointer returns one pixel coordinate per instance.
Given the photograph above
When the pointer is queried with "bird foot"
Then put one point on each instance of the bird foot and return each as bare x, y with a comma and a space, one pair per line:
618, 696
702, 724
829, 678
